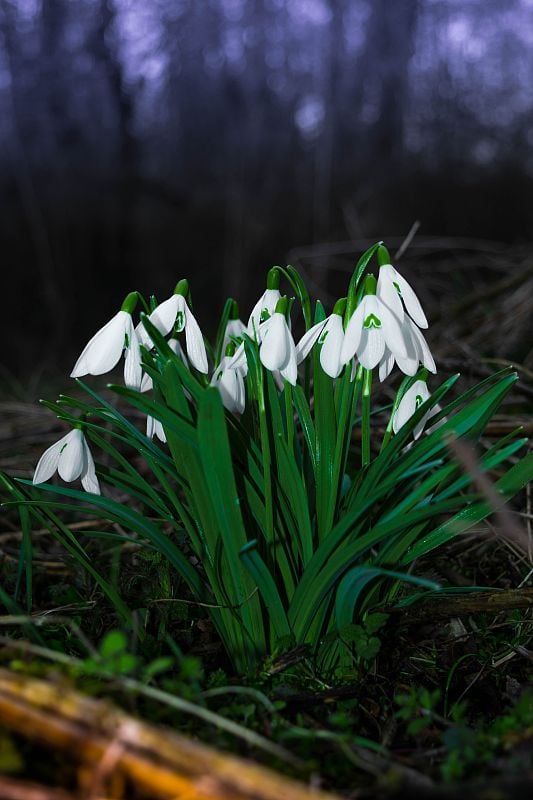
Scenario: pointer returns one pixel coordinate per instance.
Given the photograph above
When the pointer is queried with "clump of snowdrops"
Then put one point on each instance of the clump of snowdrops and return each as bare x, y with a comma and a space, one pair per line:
300, 515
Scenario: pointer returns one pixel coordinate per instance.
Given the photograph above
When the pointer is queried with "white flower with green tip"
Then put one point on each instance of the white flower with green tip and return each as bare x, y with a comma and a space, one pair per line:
102, 353
235, 327
72, 459
266, 305
175, 313
371, 329
413, 398
278, 351
418, 352
393, 288
330, 334
229, 380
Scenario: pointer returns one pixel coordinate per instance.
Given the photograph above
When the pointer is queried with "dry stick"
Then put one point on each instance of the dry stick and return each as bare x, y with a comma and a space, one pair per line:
449, 607
11, 789
507, 526
407, 241
160, 763
480, 602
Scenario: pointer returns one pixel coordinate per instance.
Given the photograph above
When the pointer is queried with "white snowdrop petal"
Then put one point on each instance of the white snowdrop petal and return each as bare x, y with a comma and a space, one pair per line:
412, 303
47, 464
392, 331
267, 302
146, 383
238, 360
371, 348
386, 364
308, 340
274, 351
290, 368
89, 481
133, 374
164, 316
176, 347
387, 292
353, 332
103, 351
71, 458
240, 399
330, 353
404, 412
409, 366
234, 328
424, 352
195, 343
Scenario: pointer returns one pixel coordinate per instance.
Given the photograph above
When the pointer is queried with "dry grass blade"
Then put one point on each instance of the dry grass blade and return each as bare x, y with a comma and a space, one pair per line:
506, 526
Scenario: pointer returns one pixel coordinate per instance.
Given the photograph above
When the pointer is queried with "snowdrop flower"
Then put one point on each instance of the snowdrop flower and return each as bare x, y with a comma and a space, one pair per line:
266, 305
228, 377
278, 351
393, 288
174, 312
417, 394
371, 329
154, 427
418, 352
72, 459
235, 327
103, 351
330, 334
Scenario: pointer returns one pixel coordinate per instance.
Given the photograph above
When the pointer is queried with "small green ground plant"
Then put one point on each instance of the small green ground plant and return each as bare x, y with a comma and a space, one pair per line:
267, 484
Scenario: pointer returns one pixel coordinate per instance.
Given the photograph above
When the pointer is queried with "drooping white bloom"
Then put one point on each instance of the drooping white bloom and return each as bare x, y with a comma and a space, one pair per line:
154, 427
417, 394
238, 360
103, 351
371, 329
72, 459
330, 334
418, 352
263, 309
393, 288
229, 381
175, 312
278, 351
234, 329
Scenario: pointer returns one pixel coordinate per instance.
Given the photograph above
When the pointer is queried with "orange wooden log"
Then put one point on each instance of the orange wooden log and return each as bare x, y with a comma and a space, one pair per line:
116, 752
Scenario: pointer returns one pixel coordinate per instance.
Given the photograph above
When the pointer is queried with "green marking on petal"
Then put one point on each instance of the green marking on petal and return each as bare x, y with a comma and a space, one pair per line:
418, 400
397, 287
180, 321
322, 337
265, 314
65, 445
372, 322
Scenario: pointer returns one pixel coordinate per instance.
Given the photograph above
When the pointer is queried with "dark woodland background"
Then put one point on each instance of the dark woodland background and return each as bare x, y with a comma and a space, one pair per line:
146, 140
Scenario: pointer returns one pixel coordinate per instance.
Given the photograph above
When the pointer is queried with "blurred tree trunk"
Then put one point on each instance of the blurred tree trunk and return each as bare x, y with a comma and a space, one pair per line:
47, 291
105, 45
390, 46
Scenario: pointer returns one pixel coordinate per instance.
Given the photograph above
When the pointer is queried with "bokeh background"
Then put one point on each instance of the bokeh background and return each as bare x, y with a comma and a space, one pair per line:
146, 140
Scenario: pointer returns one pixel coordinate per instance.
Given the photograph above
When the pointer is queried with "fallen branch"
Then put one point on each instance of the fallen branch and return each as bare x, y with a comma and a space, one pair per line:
449, 607
111, 747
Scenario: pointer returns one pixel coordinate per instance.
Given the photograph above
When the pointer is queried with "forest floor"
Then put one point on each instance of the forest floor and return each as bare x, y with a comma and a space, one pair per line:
445, 706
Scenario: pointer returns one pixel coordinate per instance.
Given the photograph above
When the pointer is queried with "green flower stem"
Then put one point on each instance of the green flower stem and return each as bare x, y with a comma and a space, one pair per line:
345, 415
265, 452
289, 415
365, 420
